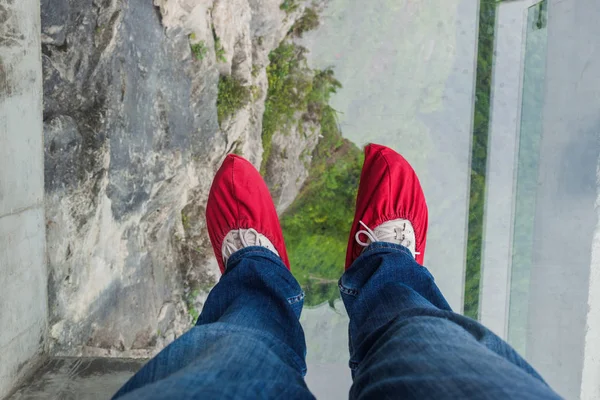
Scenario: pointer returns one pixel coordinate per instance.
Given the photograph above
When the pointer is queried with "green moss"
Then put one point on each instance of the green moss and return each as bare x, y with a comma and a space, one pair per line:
290, 83
294, 90
190, 301
487, 20
256, 92
237, 149
185, 221
323, 87
199, 50
219, 49
308, 22
289, 6
194, 313
255, 70
233, 96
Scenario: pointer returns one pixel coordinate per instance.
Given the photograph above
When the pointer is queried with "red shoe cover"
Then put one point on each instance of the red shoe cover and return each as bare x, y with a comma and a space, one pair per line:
239, 198
389, 189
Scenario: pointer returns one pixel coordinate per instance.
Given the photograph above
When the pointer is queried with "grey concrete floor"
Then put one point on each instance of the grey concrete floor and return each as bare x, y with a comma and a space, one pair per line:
77, 378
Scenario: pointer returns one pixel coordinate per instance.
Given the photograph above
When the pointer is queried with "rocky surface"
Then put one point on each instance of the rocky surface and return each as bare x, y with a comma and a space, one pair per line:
288, 166
131, 145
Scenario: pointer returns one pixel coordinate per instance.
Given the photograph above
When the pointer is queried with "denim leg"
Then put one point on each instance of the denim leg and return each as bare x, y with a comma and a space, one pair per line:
405, 341
247, 343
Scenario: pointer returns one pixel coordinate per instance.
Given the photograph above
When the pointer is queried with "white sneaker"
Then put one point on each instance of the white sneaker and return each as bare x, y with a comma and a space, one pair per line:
240, 238
398, 231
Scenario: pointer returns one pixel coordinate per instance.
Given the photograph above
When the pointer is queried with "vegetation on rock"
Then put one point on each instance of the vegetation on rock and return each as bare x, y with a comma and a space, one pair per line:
233, 96
290, 82
289, 6
316, 225
219, 49
312, 224
308, 22
199, 50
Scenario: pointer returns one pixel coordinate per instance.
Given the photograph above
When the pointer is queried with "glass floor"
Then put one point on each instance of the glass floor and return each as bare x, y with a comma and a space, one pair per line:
495, 105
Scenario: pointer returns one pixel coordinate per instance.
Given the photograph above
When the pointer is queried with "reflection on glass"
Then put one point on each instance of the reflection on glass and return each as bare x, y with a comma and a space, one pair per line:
527, 172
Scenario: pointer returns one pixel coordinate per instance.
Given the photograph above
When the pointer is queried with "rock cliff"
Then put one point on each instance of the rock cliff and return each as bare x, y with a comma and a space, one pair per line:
132, 141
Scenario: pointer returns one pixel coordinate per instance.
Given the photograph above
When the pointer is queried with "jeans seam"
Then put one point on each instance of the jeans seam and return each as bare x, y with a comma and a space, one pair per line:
296, 299
254, 250
385, 245
373, 248
348, 291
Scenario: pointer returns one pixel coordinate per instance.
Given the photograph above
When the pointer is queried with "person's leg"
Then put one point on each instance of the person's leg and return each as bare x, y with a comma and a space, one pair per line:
248, 342
405, 342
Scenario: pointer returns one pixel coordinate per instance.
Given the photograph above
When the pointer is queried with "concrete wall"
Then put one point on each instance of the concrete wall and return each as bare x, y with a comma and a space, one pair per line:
23, 299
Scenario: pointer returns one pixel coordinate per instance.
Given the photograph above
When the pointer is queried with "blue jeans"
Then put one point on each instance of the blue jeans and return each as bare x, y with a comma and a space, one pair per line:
405, 341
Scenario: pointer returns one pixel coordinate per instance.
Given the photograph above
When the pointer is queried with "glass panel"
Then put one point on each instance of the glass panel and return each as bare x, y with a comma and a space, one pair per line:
552, 308
407, 76
527, 171
407, 73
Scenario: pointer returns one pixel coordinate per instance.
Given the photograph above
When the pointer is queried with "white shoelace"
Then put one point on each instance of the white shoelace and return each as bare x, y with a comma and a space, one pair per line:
241, 238
385, 233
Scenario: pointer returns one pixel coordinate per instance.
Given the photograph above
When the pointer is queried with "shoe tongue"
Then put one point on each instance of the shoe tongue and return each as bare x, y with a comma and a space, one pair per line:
394, 232
253, 238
